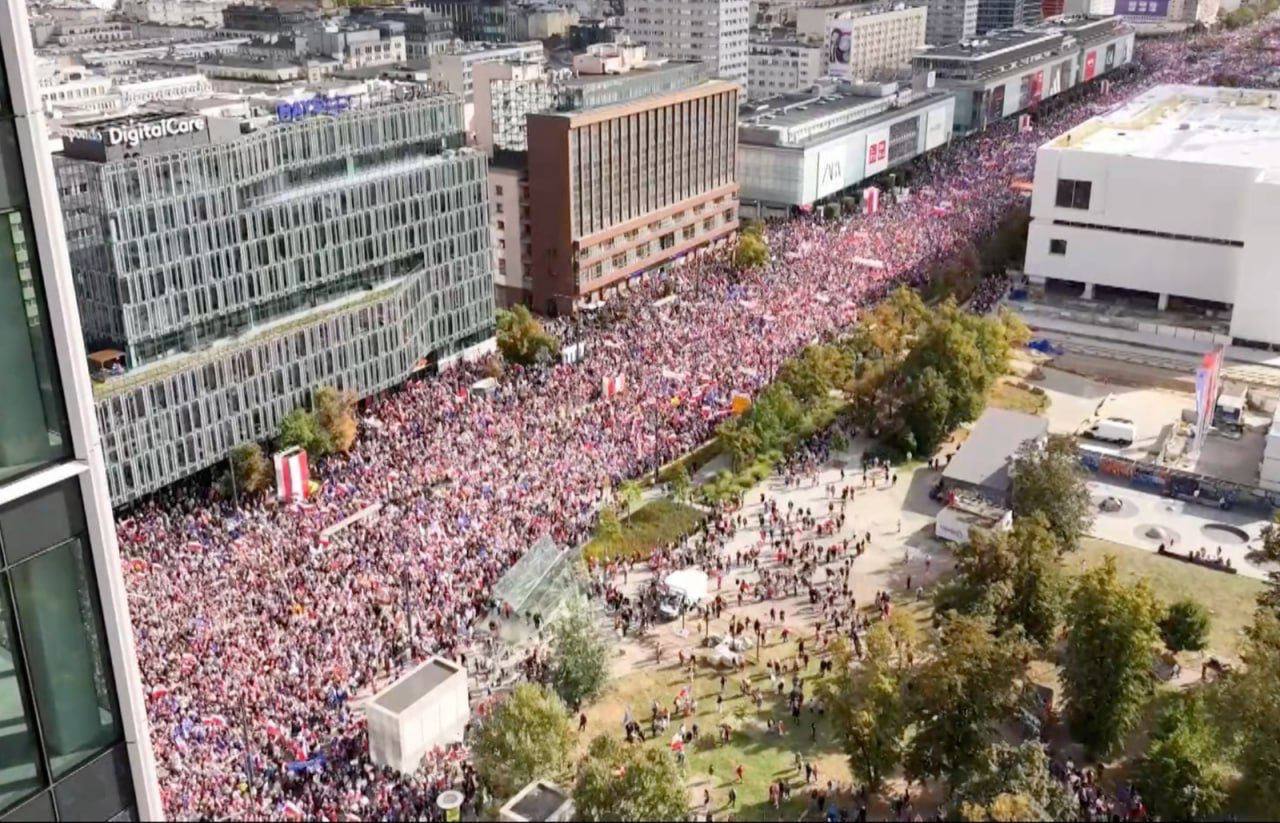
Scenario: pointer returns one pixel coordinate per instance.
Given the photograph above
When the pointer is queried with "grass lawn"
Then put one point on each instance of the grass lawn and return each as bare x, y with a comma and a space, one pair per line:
765, 756
1228, 597
1006, 395
653, 524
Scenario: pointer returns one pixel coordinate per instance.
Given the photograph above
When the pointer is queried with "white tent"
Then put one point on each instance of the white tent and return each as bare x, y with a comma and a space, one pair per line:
690, 582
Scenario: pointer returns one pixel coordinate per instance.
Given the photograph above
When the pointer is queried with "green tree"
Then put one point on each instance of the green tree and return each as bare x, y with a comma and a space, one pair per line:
1050, 481
1269, 599
579, 655
681, 485
526, 737
619, 782
752, 251
867, 707
336, 413
252, 471
1185, 627
522, 338
629, 494
1110, 638
301, 428
1013, 577
971, 683
1015, 784
813, 373
1251, 712
1182, 776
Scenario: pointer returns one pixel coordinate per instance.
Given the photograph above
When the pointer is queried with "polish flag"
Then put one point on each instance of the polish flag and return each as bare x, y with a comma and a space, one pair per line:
1024, 122
274, 730
870, 200
293, 477
159, 692
613, 386
292, 811
216, 721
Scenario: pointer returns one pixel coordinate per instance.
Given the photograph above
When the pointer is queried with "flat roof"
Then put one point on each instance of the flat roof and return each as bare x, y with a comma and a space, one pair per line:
538, 801
414, 685
996, 42
1187, 124
983, 460
756, 123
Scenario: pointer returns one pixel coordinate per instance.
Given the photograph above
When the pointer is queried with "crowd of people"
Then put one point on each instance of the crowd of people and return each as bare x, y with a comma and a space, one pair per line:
254, 634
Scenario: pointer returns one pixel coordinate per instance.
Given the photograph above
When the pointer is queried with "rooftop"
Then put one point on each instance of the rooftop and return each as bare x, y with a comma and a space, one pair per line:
1189, 124
818, 115
413, 686
983, 460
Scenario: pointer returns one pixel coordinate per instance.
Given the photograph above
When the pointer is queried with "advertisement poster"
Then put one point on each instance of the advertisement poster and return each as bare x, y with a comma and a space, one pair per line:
1143, 8
877, 151
1090, 64
936, 129
1037, 86
995, 104
1111, 57
839, 47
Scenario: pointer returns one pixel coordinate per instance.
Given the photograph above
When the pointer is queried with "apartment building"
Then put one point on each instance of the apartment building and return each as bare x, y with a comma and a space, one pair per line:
715, 32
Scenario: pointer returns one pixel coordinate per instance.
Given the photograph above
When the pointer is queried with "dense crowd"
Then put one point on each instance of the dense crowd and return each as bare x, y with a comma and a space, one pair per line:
254, 634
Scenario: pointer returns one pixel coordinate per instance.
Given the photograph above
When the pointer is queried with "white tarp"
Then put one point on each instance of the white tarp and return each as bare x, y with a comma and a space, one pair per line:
690, 582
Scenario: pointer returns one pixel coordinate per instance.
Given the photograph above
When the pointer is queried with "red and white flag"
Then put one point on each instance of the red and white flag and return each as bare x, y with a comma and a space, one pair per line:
293, 477
613, 386
1106, 86
1024, 122
870, 200
292, 811
215, 721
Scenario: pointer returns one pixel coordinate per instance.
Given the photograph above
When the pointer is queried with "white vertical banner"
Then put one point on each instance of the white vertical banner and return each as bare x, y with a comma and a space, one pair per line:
293, 475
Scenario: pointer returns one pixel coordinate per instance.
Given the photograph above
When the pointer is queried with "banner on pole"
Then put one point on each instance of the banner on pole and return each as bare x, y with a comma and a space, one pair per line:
1207, 377
293, 476
613, 386
870, 200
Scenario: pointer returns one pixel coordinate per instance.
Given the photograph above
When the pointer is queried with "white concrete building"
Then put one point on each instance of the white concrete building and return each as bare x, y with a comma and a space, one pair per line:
713, 31
882, 38
453, 70
1177, 195
780, 65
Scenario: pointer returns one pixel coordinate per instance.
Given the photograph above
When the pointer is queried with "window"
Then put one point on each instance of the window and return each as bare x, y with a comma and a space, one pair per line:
1057, 247
497, 190
1074, 194
33, 426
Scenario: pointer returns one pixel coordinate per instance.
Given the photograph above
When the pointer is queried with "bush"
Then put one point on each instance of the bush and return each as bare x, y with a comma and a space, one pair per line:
301, 428
1185, 627
752, 251
251, 470
336, 413
522, 338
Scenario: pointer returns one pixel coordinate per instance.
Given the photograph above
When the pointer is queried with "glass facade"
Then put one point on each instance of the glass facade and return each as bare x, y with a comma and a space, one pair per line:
59, 716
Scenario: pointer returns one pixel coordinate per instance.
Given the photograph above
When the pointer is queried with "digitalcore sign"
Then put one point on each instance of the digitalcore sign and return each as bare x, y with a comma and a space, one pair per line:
137, 133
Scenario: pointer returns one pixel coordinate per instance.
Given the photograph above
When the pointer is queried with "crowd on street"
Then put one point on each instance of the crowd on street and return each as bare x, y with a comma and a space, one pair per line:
255, 634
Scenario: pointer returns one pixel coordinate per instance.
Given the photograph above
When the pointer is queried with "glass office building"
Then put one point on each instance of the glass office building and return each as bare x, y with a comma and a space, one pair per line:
73, 740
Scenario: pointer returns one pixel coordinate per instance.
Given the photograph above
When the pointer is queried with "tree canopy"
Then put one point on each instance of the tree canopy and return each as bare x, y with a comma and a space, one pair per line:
1014, 783
1251, 703
579, 655
526, 737
522, 338
1185, 627
1182, 776
1049, 481
336, 413
752, 251
301, 428
1110, 640
867, 706
253, 472
620, 782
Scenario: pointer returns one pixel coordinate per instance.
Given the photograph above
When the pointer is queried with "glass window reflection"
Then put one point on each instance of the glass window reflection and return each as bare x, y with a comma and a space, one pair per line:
19, 753
66, 651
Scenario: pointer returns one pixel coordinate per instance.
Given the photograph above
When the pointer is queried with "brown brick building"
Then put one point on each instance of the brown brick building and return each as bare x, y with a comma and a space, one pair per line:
618, 190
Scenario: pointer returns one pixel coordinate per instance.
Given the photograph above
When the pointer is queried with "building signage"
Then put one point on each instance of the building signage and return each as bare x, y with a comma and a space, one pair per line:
286, 112
132, 135
839, 47
1090, 64
1143, 8
877, 151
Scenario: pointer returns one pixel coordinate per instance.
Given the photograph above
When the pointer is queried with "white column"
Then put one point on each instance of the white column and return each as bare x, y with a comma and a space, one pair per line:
1087, 294
1162, 302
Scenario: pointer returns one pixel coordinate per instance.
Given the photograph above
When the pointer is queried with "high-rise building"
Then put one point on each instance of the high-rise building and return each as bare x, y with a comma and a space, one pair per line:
780, 65
951, 21
240, 265
628, 174
875, 40
481, 20
73, 730
712, 31
1006, 14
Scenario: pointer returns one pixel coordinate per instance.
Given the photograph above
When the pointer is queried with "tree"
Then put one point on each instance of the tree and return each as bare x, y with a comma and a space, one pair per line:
1013, 577
971, 683
608, 527
680, 482
1252, 710
1269, 598
629, 494
526, 737
336, 413
252, 471
301, 428
579, 655
1049, 481
867, 707
618, 782
1015, 784
1185, 627
1182, 776
813, 373
1110, 637
522, 338
752, 251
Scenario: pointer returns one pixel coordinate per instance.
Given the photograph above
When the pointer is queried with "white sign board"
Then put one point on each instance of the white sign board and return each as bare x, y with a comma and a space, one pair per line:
936, 128
877, 156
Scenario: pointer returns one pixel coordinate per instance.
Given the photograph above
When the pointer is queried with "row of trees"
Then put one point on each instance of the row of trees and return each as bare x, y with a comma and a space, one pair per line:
329, 426
921, 371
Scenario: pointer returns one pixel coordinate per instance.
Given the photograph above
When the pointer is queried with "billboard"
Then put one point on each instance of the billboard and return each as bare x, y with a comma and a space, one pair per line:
937, 128
1090, 64
839, 47
1110, 60
1143, 8
877, 151
833, 169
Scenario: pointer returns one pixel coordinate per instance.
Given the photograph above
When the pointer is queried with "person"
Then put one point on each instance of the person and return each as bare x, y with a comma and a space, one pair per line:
738, 772
733, 797
582, 722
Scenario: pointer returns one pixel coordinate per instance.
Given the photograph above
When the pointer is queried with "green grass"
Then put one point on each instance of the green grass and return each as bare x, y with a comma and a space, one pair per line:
1230, 598
1008, 395
765, 755
653, 524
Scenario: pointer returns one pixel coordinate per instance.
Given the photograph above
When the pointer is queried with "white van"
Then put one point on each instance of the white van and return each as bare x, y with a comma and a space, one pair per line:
1118, 430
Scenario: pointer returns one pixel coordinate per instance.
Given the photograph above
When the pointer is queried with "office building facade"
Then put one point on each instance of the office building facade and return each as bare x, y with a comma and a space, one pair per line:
882, 39
240, 272
617, 190
783, 65
73, 730
714, 32
951, 21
